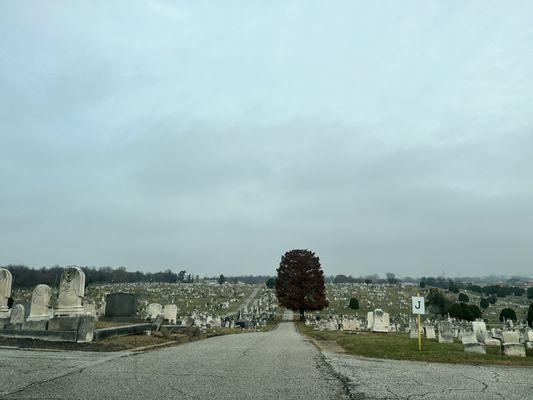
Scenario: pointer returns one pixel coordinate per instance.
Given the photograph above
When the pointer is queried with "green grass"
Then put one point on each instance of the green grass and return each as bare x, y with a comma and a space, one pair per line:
397, 299
400, 347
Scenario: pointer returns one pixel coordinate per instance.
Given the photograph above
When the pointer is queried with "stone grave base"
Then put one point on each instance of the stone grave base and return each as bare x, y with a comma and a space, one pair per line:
51, 336
475, 348
125, 330
492, 342
514, 349
445, 340
57, 329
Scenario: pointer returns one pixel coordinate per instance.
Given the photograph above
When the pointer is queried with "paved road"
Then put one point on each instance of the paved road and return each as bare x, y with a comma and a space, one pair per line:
271, 365
249, 299
390, 379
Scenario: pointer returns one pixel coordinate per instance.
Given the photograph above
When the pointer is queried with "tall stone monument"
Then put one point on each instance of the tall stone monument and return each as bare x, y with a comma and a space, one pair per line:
40, 303
71, 292
5, 292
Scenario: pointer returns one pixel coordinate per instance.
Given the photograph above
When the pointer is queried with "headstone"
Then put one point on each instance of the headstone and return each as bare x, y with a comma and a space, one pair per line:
71, 292
369, 320
85, 329
413, 332
170, 313
120, 305
5, 292
17, 315
158, 321
492, 342
528, 335
445, 332
332, 325
514, 349
153, 310
40, 303
497, 333
430, 332
89, 309
350, 324
381, 321
480, 330
469, 338
510, 337
511, 344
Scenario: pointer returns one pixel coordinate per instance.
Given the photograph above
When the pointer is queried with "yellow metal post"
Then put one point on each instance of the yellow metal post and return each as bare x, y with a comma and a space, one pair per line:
419, 329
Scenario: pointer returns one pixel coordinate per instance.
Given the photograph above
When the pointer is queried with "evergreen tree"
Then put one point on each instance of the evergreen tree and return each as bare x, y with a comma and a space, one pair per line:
354, 304
484, 303
508, 314
463, 298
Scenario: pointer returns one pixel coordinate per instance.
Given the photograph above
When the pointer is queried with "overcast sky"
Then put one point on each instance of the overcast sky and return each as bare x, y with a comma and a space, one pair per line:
385, 136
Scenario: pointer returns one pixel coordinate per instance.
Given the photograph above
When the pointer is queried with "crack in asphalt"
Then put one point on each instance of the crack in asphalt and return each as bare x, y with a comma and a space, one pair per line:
347, 387
69, 371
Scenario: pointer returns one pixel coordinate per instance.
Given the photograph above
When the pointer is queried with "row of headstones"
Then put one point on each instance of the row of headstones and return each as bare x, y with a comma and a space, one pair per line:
376, 321
71, 293
476, 337
169, 314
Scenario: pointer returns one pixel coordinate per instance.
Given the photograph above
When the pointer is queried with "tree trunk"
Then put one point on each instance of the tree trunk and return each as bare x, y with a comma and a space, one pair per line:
302, 315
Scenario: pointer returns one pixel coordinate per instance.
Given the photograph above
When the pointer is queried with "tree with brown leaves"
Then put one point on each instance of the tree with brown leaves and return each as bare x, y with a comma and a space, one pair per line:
300, 283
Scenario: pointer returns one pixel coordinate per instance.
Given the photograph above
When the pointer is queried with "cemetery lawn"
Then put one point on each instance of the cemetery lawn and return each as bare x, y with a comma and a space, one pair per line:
400, 347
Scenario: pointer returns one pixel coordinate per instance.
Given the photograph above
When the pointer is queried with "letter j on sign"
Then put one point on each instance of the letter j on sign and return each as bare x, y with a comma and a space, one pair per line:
419, 307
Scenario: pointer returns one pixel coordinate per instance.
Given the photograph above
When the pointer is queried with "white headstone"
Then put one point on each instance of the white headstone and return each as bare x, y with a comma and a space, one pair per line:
170, 313
17, 314
154, 309
528, 335
430, 332
445, 332
40, 303
369, 320
510, 337
480, 330
468, 338
381, 322
71, 292
5, 292
90, 309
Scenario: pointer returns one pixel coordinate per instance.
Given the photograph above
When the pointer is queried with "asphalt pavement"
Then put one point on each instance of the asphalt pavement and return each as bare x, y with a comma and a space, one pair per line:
280, 364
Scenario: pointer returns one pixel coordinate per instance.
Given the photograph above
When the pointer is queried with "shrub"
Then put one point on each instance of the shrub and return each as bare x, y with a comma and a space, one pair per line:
354, 303
468, 312
484, 303
508, 314
463, 298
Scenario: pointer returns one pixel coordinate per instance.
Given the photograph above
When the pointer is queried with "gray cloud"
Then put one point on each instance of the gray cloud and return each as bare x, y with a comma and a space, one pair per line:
392, 137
